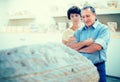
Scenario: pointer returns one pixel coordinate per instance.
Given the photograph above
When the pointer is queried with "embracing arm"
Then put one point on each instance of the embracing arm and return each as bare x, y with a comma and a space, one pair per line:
91, 49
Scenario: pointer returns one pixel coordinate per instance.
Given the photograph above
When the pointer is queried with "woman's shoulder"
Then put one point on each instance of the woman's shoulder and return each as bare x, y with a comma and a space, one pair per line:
68, 30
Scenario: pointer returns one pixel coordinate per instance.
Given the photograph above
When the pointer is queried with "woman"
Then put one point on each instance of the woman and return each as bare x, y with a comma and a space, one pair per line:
73, 14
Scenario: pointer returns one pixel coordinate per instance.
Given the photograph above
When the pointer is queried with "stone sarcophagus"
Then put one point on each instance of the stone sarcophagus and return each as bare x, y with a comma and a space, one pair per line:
49, 62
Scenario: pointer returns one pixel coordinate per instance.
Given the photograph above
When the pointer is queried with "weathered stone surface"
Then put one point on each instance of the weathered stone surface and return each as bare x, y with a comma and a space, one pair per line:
45, 63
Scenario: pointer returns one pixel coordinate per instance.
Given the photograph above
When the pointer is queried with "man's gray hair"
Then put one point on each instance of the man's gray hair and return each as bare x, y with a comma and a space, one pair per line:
91, 8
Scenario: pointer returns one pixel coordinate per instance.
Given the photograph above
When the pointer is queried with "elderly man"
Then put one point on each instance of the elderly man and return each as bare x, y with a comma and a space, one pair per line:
99, 33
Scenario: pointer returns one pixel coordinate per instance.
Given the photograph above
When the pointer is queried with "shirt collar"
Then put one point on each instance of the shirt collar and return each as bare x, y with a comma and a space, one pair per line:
93, 26
96, 23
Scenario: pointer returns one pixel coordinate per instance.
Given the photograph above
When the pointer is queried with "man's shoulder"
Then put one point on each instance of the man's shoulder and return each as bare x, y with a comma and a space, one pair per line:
102, 26
78, 31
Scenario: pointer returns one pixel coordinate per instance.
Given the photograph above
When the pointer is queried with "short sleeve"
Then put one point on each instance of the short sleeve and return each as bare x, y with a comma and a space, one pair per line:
103, 37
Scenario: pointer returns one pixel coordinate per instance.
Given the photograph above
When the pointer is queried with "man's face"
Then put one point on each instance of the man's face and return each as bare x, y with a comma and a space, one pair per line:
88, 17
75, 18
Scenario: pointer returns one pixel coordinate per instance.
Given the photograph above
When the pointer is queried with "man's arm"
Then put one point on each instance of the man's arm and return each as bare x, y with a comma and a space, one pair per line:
100, 43
78, 45
91, 49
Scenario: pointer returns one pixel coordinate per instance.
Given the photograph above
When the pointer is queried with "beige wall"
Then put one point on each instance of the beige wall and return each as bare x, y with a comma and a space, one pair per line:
110, 18
20, 22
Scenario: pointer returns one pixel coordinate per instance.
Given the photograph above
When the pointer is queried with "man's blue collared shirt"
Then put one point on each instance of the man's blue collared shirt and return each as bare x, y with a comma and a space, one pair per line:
101, 35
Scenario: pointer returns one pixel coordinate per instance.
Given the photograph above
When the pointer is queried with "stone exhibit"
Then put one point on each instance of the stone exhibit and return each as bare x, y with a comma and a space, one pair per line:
50, 62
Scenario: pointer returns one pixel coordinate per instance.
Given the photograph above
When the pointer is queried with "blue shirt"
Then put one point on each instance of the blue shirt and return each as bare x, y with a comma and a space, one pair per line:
101, 35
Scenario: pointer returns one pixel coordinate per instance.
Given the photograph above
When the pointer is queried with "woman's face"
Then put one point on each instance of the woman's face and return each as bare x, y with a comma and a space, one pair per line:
75, 18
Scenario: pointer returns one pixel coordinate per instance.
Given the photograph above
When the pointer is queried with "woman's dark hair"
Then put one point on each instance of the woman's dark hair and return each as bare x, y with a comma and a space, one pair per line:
73, 10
